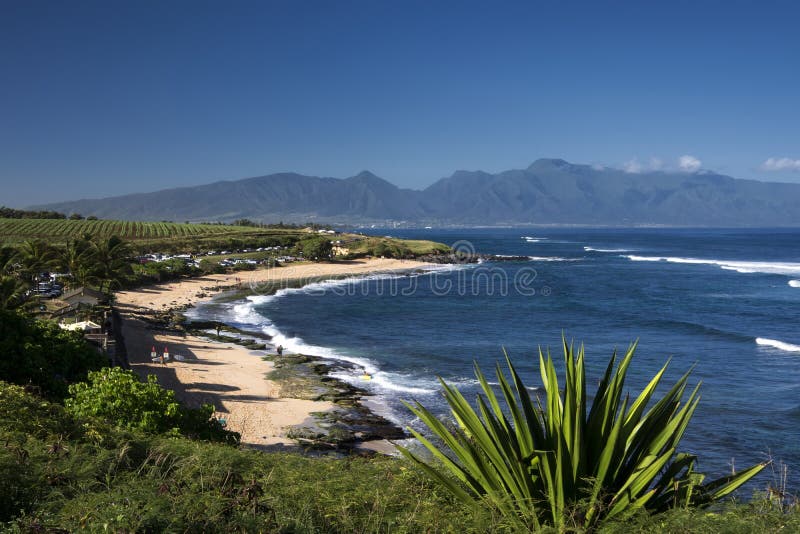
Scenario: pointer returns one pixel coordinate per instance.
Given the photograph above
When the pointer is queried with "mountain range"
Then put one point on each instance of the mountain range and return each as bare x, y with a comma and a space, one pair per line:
550, 191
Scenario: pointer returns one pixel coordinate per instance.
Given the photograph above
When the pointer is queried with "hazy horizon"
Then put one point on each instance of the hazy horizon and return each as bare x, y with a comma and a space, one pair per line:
420, 188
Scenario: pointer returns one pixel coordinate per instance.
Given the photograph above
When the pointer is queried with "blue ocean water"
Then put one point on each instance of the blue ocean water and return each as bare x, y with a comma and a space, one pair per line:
725, 301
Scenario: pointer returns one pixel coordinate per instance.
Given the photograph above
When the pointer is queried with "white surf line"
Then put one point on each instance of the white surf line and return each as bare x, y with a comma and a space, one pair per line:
765, 267
775, 344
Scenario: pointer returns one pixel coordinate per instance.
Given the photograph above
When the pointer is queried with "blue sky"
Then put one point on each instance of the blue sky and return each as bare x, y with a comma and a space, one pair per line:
105, 98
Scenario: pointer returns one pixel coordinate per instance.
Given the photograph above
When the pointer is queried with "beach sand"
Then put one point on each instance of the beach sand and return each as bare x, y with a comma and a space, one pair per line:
229, 376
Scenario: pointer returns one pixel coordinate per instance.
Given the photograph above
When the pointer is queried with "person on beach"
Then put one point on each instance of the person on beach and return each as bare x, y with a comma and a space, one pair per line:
279, 350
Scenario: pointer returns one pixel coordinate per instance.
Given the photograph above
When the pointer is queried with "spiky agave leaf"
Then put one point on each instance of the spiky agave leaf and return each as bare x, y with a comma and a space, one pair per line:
535, 462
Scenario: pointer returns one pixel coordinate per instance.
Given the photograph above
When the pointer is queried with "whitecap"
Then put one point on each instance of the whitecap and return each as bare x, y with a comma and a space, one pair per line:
767, 267
381, 380
245, 313
794, 283
775, 344
591, 249
386, 381
552, 258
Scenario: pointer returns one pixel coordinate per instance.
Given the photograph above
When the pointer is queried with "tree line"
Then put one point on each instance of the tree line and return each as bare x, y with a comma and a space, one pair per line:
11, 213
102, 263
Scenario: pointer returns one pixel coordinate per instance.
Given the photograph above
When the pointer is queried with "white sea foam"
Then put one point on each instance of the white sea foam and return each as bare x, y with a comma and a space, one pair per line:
384, 381
380, 380
552, 258
591, 249
768, 267
444, 268
775, 344
531, 239
794, 283
245, 313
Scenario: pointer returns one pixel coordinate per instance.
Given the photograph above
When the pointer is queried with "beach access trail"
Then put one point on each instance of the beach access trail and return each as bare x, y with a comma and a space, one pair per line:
229, 376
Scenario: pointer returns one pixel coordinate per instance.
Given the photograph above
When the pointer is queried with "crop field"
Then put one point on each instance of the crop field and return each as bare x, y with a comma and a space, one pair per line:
59, 231
193, 238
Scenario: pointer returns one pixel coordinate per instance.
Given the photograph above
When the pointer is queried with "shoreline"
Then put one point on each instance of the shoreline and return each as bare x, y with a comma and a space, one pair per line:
228, 375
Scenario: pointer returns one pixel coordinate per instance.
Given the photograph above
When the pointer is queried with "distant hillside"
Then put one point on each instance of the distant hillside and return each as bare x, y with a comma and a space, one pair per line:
550, 191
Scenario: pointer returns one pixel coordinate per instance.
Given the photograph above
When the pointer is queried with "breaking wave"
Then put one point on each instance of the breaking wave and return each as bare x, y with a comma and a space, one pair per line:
767, 267
775, 344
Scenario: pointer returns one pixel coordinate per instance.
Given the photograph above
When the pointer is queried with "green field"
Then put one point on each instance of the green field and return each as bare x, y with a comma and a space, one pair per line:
190, 237
387, 246
60, 230
148, 236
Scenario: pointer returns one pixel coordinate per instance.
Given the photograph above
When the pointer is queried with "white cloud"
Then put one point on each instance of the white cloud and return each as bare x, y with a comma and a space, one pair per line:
633, 166
781, 164
689, 163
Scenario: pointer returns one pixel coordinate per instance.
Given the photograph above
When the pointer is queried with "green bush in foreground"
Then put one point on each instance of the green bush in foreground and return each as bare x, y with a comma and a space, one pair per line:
562, 463
119, 397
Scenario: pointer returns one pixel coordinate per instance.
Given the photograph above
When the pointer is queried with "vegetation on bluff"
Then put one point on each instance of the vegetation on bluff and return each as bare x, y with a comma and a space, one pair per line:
394, 248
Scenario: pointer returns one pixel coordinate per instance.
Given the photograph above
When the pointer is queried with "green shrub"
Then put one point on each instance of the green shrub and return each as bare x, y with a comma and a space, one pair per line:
316, 248
119, 397
210, 267
564, 462
40, 354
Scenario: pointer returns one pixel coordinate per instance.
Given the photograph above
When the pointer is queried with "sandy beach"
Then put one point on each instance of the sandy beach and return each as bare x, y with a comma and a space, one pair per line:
229, 376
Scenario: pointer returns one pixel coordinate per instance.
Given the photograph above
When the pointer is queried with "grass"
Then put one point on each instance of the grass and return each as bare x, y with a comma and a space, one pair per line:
386, 246
59, 473
420, 246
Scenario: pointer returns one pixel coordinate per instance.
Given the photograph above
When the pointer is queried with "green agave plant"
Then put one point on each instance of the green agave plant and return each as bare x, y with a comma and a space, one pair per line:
565, 461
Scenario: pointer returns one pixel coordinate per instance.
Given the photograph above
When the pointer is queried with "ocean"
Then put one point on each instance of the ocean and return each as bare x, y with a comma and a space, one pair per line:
724, 301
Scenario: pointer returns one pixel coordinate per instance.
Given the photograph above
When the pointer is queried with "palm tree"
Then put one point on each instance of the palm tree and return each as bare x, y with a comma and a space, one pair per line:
77, 257
111, 259
34, 257
7, 255
12, 291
